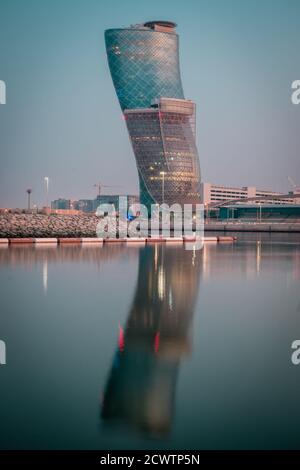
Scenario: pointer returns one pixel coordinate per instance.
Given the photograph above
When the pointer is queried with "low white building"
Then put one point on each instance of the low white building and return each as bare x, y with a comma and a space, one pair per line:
212, 193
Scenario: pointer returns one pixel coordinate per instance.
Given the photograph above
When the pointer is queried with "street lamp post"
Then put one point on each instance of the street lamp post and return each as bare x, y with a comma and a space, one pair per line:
28, 191
46, 178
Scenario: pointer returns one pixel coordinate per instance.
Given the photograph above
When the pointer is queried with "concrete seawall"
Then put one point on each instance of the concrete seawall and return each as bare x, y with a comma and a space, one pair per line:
252, 227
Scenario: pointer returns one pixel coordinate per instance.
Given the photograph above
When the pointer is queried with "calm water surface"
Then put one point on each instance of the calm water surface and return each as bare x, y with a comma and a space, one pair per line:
152, 347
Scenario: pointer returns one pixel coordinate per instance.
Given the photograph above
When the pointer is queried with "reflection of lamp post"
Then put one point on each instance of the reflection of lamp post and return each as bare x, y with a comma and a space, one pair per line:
28, 191
260, 212
207, 211
163, 185
46, 178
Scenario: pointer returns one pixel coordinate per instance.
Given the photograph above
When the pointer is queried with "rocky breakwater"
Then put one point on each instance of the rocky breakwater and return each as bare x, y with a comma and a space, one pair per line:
39, 225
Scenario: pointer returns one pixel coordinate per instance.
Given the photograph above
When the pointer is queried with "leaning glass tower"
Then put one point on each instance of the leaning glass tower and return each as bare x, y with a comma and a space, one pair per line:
144, 65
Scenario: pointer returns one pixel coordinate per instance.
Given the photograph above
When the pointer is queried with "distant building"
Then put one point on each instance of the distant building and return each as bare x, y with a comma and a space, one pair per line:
114, 199
265, 212
212, 193
84, 205
61, 204
90, 205
74, 205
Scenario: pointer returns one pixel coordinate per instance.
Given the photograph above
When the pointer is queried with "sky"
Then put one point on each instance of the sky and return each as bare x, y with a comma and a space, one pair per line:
62, 118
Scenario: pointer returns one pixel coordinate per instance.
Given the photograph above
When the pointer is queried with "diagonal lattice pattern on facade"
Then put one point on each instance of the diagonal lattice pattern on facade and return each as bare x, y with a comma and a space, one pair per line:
144, 64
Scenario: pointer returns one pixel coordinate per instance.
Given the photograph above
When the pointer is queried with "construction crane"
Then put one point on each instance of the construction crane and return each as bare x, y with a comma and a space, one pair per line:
99, 187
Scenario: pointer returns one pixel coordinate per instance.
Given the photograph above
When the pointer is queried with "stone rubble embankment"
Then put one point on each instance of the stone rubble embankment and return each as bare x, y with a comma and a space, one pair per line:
39, 225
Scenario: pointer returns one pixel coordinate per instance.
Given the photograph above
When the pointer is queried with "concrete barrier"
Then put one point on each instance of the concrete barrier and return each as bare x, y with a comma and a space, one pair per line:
43, 246
45, 240
210, 239
135, 244
69, 240
155, 239
140, 240
91, 240
189, 238
114, 240
128, 240
19, 241
174, 239
226, 239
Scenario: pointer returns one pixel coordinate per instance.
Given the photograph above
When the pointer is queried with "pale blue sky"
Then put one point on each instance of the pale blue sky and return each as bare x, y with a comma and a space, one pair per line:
62, 118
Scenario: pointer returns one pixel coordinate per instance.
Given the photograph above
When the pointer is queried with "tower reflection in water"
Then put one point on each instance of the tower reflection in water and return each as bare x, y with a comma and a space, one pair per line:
141, 386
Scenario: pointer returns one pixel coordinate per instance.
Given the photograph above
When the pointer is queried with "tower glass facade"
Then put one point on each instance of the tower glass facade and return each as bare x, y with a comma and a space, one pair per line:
144, 64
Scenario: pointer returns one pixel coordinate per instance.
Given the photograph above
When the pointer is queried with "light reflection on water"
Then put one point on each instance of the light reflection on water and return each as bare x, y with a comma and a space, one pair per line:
141, 387
152, 347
